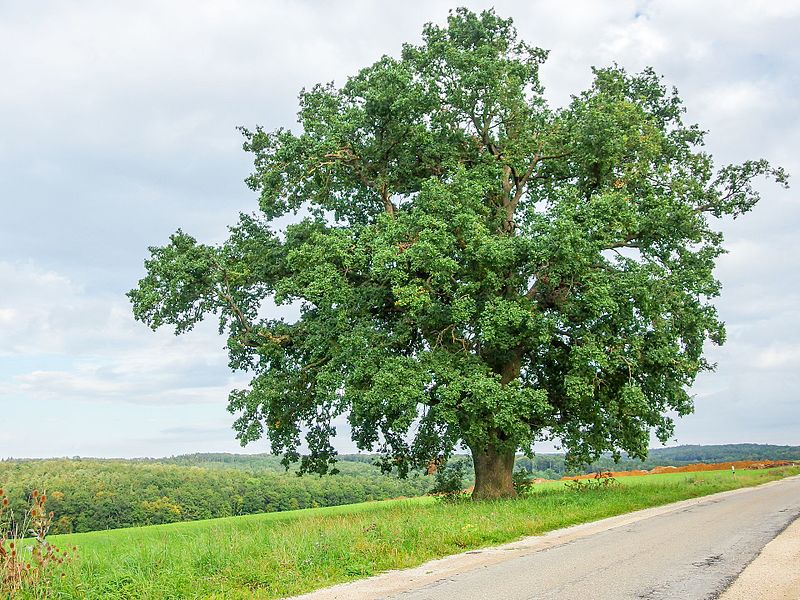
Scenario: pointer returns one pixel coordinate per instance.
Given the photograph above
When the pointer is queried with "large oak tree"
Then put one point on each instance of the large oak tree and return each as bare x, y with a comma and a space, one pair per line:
472, 267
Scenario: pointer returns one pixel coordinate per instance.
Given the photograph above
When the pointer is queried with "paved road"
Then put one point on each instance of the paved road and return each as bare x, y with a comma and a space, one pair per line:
773, 575
686, 554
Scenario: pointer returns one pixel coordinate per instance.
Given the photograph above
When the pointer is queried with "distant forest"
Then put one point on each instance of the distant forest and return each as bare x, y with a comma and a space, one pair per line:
553, 466
92, 494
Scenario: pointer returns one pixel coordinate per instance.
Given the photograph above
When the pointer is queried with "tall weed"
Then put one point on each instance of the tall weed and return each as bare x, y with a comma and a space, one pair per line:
28, 562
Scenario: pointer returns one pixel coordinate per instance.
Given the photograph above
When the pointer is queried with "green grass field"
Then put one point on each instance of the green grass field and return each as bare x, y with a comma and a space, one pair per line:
279, 554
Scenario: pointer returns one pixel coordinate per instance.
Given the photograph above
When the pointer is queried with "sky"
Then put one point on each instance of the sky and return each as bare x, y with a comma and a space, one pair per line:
118, 126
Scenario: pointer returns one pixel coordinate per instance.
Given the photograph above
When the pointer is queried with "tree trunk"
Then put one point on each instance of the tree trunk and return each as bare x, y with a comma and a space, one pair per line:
493, 468
493, 471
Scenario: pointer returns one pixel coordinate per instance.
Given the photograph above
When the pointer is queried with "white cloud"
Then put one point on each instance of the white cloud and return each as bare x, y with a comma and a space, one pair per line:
118, 127
111, 357
733, 100
781, 357
638, 38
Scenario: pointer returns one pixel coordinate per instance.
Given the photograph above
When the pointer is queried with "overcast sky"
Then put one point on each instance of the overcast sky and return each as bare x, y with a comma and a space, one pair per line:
118, 125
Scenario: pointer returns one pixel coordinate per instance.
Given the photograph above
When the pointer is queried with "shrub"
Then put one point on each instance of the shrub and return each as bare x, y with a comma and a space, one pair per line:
521, 479
601, 481
450, 481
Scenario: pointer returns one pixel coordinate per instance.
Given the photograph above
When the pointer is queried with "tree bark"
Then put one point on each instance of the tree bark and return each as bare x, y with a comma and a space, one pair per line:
493, 467
493, 470
510, 370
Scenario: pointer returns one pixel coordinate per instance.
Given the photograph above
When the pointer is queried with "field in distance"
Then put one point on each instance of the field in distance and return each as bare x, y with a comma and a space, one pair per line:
279, 554
98, 494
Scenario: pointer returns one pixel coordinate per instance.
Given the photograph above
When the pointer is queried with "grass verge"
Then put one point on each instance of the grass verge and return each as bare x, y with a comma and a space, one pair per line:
280, 554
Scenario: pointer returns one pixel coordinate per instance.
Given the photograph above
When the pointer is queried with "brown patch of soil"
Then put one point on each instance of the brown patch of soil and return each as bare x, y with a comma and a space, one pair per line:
741, 465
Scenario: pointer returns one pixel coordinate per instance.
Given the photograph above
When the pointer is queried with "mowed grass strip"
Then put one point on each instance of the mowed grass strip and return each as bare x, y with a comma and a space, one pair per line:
281, 554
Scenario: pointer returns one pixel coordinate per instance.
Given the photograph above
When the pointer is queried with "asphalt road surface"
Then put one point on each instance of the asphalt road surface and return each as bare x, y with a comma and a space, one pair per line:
694, 552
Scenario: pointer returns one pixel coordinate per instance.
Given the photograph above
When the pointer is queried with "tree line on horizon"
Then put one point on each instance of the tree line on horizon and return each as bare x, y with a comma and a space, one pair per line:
95, 494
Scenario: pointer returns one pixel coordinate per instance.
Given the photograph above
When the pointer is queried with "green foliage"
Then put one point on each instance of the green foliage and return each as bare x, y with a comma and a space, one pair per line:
722, 453
521, 478
601, 481
283, 554
473, 268
450, 480
555, 466
92, 494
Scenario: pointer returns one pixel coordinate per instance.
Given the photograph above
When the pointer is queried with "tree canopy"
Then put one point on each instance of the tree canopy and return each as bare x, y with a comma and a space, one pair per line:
473, 267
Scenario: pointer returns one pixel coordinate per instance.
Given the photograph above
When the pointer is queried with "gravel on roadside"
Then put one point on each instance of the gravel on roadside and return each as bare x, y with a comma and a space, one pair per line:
774, 574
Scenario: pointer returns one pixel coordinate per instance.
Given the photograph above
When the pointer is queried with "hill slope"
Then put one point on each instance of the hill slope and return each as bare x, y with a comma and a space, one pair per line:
280, 554
95, 494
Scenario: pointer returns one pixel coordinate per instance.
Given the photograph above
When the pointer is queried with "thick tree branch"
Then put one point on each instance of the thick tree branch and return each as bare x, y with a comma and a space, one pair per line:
388, 205
520, 182
347, 156
224, 292
627, 242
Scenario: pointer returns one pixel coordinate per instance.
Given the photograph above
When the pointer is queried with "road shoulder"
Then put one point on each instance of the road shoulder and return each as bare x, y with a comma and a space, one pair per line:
773, 574
395, 582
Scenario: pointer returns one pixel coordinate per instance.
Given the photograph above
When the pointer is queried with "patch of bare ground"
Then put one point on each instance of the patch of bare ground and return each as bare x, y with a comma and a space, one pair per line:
741, 465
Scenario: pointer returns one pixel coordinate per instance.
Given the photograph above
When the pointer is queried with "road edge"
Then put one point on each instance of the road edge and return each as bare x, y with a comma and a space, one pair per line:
403, 580
773, 573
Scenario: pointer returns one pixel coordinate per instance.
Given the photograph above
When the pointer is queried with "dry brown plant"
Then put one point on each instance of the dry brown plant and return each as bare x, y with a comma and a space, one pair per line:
28, 561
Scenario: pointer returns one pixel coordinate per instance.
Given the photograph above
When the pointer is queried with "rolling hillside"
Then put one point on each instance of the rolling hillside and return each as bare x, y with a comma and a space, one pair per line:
280, 554
96, 494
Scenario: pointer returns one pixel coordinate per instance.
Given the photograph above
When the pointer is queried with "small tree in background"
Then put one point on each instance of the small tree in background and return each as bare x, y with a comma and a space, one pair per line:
449, 480
473, 268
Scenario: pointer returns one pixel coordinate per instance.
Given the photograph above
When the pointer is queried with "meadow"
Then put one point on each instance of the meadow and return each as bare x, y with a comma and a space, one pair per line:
90, 494
93, 494
281, 554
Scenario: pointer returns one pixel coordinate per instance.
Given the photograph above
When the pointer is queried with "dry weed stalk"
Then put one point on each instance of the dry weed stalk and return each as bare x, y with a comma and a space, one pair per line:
28, 562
